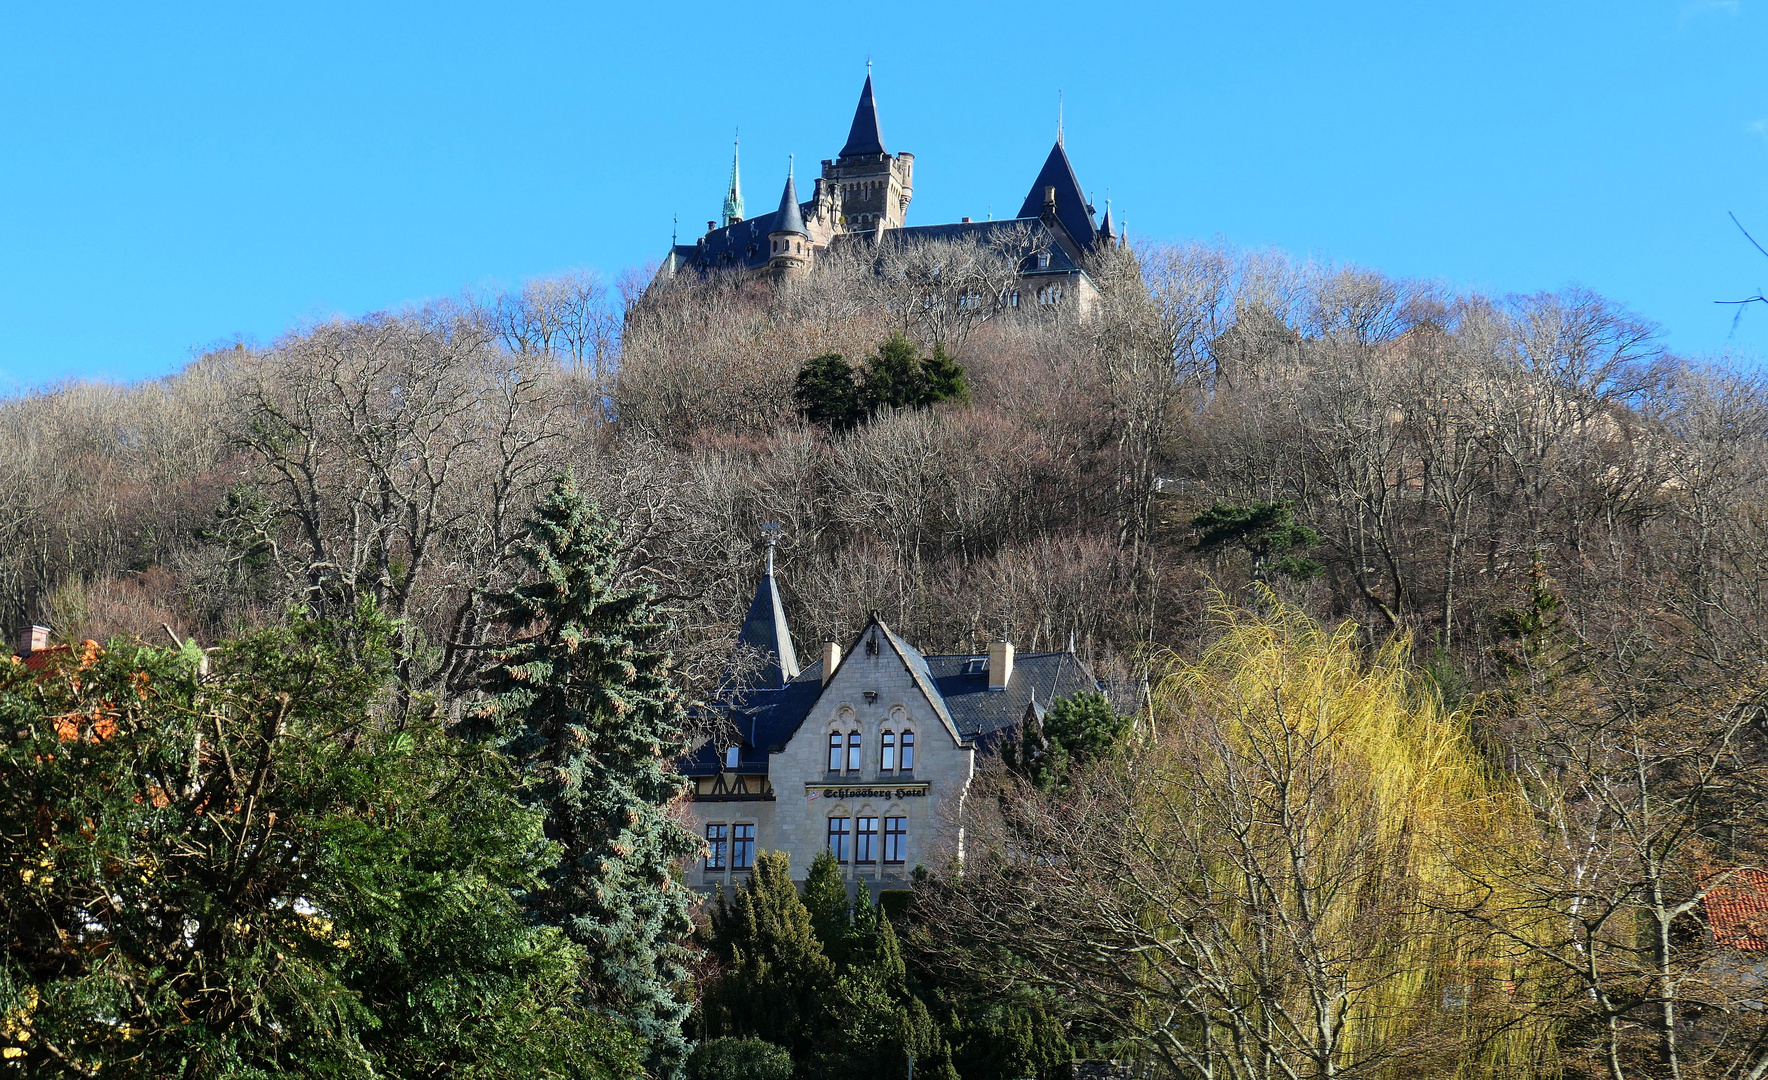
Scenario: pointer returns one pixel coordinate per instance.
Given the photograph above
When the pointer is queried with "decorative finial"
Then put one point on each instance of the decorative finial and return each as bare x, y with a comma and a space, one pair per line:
771, 533
1058, 118
791, 165
674, 228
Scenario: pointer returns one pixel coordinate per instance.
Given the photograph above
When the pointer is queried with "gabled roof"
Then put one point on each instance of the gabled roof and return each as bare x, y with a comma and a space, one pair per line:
864, 137
765, 631
1072, 208
1037, 238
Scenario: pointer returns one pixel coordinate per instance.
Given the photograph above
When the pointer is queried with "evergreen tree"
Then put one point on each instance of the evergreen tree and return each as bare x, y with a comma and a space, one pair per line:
894, 377
1265, 530
944, 377
1075, 731
827, 394
739, 1059
590, 713
776, 976
269, 877
825, 898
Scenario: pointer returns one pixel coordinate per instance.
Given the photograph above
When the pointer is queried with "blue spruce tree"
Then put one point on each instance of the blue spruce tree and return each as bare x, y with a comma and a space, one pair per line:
588, 711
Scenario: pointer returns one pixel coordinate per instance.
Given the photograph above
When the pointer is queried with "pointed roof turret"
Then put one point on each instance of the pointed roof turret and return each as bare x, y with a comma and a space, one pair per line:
1072, 209
865, 137
765, 629
791, 220
733, 199
1108, 232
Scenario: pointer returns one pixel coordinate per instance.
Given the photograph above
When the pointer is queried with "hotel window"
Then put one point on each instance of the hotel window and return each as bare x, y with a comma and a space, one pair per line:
742, 847
853, 752
731, 755
838, 836
896, 839
834, 751
1043, 260
887, 763
715, 847
908, 751
865, 835
1013, 298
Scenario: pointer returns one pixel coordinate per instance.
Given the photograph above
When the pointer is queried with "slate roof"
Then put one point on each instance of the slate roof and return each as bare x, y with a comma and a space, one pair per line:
788, 215
766, 717
1038, 236
865, 136
1072, 208
744, 246
1737, 911
765, 630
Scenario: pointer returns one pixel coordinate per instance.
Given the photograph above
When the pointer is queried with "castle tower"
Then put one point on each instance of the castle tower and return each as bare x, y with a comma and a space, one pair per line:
865, 184
789, 250
733, 199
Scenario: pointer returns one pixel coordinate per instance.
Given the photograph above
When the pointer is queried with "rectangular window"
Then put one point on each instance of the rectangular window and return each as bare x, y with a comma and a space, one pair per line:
896, 839
834, 751
865, 840
731, 755
908, 751
853, 757
715, 847
838, 837
742, 847
888, 762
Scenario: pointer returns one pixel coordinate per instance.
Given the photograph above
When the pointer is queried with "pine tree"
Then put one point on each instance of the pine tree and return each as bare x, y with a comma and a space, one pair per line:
827, 394
894, 376
591, 715
1077, 730
943, 376
825, 898
776, 975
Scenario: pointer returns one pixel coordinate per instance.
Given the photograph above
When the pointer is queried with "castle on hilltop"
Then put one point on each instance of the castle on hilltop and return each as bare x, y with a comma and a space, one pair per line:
863, 196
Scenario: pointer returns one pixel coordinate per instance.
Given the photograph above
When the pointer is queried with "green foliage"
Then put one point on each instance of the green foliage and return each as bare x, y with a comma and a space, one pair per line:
775, 972
255, 873
831, 394
996, 1040
591, 715
825, 897
828, 395
739, 1059
1265, 530
1075, 731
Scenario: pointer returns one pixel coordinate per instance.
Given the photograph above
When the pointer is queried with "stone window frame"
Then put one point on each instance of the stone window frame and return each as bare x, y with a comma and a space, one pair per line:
839, 732
747, 861
717, 847
894, 814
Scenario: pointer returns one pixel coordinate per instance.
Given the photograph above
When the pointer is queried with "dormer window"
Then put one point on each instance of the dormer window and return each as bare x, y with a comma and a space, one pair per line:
976, 665
731, 755
1043, 260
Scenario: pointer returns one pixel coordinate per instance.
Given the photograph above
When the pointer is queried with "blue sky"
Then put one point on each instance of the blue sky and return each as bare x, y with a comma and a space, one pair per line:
177, 175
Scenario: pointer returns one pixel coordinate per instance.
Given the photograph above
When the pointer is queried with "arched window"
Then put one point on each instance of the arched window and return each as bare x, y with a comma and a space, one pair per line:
834, 751
887, 762
908, 751
853, 752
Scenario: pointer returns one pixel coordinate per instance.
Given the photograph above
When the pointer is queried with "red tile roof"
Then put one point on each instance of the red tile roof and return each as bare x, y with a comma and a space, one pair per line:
40, 658
1737, 911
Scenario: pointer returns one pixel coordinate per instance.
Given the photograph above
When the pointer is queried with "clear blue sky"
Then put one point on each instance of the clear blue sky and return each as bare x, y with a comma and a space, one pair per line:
175, 175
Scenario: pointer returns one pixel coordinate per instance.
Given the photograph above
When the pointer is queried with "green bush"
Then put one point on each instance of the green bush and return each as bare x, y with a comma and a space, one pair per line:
739, 1059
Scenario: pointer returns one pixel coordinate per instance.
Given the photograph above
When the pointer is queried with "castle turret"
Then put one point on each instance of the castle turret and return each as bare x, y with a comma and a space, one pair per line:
868, 186
789, 249
1108, 233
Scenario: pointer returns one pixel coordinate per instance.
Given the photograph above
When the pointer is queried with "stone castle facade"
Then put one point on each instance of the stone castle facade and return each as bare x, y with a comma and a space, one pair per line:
863, 196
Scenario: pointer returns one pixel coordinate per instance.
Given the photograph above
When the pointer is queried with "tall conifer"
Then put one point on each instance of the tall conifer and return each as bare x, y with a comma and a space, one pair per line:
589, 712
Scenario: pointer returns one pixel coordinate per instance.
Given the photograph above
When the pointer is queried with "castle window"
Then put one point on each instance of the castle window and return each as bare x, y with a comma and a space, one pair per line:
1013, 299
834, 751
896, 840
1043, 260
731, 756
1049, 294
838, 838
887, 763
715, 847
908, 751
743, 846
970, 301
865, 835
853, 752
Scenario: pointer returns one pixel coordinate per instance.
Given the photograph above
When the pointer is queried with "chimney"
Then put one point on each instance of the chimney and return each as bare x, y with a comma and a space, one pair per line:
1050, 199
831, 660
1000, 664
31, 638
711, 225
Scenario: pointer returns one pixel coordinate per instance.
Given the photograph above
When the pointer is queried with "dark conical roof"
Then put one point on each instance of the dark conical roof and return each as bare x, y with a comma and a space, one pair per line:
765, 631
1107, 228
790, 220
1071, 206
864, 137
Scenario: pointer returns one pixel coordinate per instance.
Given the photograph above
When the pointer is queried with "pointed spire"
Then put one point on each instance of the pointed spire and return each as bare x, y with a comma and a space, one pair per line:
1107, 230
865, 137
765, 629
733, 199
1058, 118
791, 220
